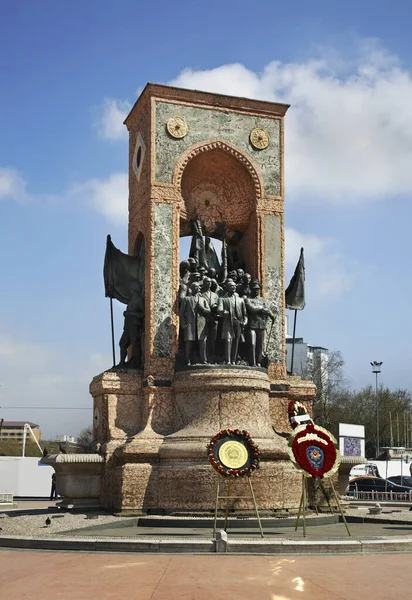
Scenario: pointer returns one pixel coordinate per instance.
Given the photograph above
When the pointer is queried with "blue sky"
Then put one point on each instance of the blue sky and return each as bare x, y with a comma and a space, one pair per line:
70, 72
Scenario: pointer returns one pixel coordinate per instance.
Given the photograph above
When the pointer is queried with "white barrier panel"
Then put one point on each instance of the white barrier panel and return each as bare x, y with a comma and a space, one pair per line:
23, 476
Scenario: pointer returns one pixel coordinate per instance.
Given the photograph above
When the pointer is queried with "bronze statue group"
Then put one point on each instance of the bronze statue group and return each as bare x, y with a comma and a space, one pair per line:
223, 318
221, 321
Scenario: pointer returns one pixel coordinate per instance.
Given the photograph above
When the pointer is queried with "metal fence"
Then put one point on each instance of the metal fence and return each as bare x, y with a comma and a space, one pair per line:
388, 496
6, 497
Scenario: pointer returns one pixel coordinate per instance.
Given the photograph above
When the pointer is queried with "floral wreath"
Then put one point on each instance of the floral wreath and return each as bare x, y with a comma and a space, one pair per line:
312, 449
298, 414
233, 435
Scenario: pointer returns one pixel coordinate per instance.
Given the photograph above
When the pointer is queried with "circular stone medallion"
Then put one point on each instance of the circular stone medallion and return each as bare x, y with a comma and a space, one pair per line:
259, 138
233, 455
177, 127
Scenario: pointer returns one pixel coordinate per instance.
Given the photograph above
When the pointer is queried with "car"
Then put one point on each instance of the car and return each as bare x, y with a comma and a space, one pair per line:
401, 480
376, 484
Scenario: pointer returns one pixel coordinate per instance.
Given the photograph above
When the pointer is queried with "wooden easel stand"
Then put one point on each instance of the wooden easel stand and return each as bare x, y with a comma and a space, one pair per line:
228, 497
303, 505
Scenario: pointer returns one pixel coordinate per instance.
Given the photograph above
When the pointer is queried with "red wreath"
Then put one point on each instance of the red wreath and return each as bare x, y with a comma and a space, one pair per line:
214, 459
324, 449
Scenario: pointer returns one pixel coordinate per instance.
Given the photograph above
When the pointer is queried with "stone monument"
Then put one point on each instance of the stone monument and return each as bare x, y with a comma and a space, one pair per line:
210, 166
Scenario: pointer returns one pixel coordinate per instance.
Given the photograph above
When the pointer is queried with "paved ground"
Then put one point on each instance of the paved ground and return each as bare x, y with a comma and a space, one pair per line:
29, 520
318, 532
72, 576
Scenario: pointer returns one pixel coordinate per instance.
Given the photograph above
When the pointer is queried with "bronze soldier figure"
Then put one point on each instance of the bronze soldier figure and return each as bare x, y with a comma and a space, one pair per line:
133, 330
193, 312
233, 310
212, 300
258, 313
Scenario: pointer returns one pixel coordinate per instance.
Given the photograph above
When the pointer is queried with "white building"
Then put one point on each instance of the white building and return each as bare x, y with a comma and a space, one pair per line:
308, 359
65, 438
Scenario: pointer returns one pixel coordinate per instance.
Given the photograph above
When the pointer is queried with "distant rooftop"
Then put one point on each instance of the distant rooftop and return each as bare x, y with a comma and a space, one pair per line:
18, 424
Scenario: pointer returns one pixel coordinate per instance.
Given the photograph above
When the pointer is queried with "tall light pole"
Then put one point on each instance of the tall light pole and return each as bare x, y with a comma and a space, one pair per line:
376, 368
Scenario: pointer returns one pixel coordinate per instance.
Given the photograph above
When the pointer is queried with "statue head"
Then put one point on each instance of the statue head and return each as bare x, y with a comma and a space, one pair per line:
232, 275
230, 287
195, 288
212, 273
254, 288
206, 283
184, 267
240, 273
247, 277
202, 270
193, 264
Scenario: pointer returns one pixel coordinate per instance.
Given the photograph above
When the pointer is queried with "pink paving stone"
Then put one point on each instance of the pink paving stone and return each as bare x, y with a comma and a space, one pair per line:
82, 576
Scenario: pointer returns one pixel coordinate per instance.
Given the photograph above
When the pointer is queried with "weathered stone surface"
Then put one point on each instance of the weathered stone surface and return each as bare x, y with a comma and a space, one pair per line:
78, 477
213, 399
205, 123
163, 289
118, 405
274, 283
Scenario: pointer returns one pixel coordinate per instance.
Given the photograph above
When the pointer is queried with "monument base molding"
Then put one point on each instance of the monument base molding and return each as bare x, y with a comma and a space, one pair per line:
151, 471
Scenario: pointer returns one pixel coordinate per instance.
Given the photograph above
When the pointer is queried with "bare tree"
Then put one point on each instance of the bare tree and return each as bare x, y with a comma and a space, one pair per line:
328, 376
85, 439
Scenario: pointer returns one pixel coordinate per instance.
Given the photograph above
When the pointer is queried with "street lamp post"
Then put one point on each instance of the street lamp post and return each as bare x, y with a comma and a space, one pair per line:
376, 368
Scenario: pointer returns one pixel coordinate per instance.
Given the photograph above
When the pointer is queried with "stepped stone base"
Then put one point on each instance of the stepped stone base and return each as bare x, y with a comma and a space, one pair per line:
154, 438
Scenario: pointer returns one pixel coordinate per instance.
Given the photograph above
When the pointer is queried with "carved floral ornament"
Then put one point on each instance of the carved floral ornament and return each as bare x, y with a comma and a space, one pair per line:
215, 145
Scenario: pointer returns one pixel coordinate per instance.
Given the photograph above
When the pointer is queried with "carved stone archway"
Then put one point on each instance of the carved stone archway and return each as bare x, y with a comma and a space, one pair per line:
218, 184
220, 144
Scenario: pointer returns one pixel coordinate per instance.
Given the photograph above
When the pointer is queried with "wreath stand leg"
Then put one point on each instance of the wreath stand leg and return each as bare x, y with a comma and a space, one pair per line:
322, 487
216, 504
340, 507
254, 502
227, 497
227, 502
314, 498
304, 504
302, 507
299, 511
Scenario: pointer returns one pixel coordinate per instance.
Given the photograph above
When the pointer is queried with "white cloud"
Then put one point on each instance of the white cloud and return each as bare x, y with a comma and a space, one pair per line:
13, 353
329, 273
107, 196
110, 124
12, 185
349, 129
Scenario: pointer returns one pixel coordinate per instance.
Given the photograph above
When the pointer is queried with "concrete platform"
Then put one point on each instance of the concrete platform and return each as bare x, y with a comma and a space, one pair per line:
128, 535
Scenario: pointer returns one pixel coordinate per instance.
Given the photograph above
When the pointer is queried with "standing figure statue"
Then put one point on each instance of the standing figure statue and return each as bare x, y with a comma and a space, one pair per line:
133, 330
193, 312
243, 288
184, 269
212, 300
258, 313
233, 310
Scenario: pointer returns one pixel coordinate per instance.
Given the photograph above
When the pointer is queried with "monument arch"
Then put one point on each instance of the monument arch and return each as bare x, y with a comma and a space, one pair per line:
218, 161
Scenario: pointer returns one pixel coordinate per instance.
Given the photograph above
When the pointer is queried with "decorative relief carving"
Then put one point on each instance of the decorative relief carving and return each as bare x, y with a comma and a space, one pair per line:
259, 138
177, 127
